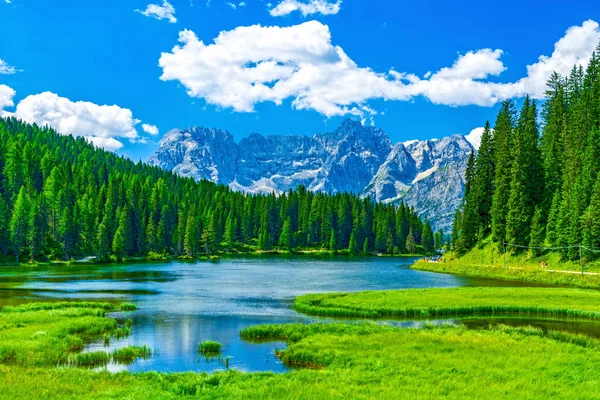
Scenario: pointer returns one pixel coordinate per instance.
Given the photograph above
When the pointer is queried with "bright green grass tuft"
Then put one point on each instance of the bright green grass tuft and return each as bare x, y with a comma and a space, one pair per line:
209, 347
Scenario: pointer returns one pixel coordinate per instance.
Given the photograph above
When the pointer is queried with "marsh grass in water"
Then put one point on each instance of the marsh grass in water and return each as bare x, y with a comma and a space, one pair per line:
49, 334
424, 303
124, 355
354, 360
209, 347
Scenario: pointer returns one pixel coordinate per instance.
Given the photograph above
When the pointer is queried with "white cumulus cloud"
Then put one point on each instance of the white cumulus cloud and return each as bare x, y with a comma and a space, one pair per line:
166, 11
101, 124
575, 48
150, 129
474, 137
6, 99
254, 64
309, 7
6, 69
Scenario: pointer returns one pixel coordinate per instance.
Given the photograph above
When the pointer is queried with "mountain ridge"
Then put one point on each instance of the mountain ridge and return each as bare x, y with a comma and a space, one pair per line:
427, 174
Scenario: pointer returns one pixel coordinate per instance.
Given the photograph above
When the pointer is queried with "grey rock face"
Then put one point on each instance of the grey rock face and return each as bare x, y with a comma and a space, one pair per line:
428, 175
199, 153
438, 190
394, 177
355, 154
277, 163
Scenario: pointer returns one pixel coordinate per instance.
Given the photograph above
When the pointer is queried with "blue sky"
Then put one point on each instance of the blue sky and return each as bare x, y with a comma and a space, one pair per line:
418, 70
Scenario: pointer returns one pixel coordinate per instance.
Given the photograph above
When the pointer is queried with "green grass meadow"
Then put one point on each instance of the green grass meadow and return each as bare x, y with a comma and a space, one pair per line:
40, 343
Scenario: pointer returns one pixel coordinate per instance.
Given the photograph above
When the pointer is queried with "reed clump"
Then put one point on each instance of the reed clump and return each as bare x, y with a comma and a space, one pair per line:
209, 347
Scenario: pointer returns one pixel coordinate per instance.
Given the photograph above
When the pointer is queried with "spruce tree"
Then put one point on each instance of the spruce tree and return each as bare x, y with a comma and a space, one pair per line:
118, 246
591, 222
526, 186
4, 227
191, 234
483, 187
537, 233
503, 160
102, 244
286, 239
332, 241
411, 243
352, 245
427, 238
19, 222
230, 231
469, 228
35, 235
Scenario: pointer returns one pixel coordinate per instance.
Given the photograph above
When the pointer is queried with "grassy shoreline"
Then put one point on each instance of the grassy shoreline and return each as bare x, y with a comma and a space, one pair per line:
523, 274
214, 257
423, 303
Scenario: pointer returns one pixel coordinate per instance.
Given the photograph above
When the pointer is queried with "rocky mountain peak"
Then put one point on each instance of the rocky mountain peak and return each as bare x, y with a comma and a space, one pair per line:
428, 174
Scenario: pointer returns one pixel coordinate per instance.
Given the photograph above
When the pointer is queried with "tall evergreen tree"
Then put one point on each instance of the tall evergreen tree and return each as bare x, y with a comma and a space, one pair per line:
19, 222
503, 160
483, 182
286, 239
526, 186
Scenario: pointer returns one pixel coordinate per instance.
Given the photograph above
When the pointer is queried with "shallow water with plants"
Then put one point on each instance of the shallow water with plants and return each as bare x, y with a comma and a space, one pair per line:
181, 304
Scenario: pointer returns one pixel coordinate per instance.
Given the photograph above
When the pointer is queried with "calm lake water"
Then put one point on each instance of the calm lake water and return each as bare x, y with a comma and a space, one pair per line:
183, 303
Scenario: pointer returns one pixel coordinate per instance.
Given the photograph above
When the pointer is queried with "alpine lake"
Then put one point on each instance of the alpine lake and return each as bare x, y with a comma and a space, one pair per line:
180, 304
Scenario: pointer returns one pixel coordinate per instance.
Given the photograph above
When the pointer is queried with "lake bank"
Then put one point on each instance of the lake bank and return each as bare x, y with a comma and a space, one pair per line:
523, 274
465, 301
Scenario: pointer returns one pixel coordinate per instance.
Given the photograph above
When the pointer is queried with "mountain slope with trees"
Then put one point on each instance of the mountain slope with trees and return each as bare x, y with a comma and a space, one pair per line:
61, 197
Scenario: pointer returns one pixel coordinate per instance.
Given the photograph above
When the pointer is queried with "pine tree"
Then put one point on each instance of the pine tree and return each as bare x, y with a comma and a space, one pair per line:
13, 170
484, 174
118, 247
230, 231
456, 228
332, 241
503, 160
102, 249
537, 232
526, 187
264, 239
19, 222
4, 227
67, 232
366, 248
411, 243
353, 245
126, 229
439, 240
286, 239
427, 238
469, 220
191, 234
35, 235
591, 223
554, 112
